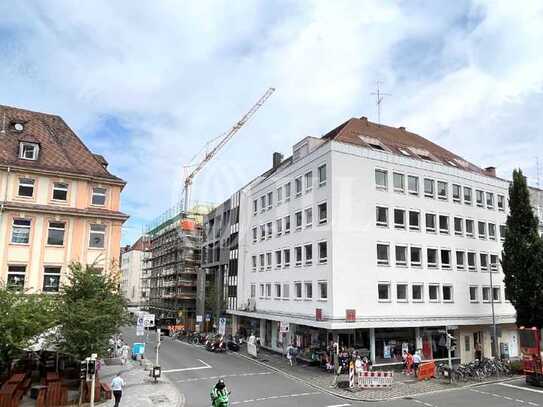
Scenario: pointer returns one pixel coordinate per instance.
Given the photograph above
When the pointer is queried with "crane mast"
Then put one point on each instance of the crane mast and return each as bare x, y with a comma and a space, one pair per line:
225, 138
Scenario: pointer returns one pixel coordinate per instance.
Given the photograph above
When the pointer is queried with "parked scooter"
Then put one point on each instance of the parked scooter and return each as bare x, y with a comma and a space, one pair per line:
233, 343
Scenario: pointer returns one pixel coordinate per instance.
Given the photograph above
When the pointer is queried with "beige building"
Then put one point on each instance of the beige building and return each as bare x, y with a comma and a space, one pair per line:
58, 202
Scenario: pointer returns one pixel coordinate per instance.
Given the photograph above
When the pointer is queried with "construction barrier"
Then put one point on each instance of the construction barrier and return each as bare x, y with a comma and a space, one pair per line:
426, 370
351, 375
251, 349
369, 380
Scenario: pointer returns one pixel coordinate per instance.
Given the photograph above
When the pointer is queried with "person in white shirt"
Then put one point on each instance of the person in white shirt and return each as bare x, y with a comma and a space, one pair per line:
117, 385
416, 362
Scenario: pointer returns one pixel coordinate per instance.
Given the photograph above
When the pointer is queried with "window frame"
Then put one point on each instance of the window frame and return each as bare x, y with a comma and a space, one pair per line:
473, 299
56, 228
14, 275
308, 181
417, 226
20, 227
415, 191
415, 264
400, 263
401, 178
49, 273
103, 233
467, 191
320, 245
377, 221
457, 198
94, 193
438, 292
389, 289
401, 226
382, 262
432, 216
406, 287
322, 181
462, 266
451, 287
26, 182
432, 265
35, 150
421, 299
432, 183
60, 186
324, 220
298, 183
378, 186
439, 195
320, 284
444, 231
460, 231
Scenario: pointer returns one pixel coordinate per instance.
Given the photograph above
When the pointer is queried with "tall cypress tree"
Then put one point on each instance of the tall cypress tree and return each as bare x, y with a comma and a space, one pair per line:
522, 256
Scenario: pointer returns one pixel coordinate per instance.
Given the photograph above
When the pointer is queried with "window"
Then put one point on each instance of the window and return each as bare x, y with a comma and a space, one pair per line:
416, 254
490, 200
26, 187
20, 233
493, 262
97, 236
399, 218
486, 294
286, 290
458, 226
430, 222
269, 230
479, 198
460, 260
401, 292
55, 233
433, 292
308, 217
28, 151
268, 290
286, 257
417, 292
492, 231
99, 196
277, 290
279, 227
16, 277
323, 213
414, 220
298, 186
469, 228
298, 220
471, 261
445, 258
262, 262
51, 279
502, 232
262, 292
253, 263
444, 224
442, 190
413, 185
401, 255
60, 191
322, 175
447, 291
456, 192
298, 255
270, 200
287, 192
308, 249
279, 195
255, 206
382, 254
468, 196
473, 291
429, 186
399, 182
308, 177
287, 224
383, 291
268, 261
298, 290
501, 202
323, 252
323, 290
496, 294
263, 203
253, 290
483, 258
382, 216
262, 232
308, 287
381, 177
481, 228
431, 255
278, 259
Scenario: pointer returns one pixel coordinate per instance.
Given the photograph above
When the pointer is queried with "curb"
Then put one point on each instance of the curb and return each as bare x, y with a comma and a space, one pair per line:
360, 400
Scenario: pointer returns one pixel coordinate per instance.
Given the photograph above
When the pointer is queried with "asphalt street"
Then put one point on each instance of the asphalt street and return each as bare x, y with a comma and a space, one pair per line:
193, 370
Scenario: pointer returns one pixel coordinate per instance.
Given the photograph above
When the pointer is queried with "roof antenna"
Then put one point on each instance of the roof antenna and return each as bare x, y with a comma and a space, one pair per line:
380, 96
3, 131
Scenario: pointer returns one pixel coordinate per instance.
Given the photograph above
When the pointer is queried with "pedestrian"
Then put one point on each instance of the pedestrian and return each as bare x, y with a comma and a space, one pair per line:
117, 385
124, 354
416, 362
290, 353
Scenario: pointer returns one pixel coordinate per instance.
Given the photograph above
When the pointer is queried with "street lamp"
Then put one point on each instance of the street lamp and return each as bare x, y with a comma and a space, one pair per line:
494, 329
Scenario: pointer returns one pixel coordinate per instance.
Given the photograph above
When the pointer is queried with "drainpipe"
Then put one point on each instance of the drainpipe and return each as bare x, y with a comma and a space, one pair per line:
2, 206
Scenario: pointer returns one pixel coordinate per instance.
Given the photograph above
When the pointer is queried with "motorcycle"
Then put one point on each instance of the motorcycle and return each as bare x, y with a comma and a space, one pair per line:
222, 400
233, 343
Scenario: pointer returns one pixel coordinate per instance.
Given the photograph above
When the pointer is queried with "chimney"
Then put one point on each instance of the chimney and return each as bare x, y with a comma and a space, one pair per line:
364, 118
490, 171
277, 158
402, 128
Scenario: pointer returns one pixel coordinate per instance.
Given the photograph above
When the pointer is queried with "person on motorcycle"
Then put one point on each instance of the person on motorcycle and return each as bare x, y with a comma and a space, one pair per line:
219, 394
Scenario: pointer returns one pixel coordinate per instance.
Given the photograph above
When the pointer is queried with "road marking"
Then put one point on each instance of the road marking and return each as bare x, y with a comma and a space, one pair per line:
505, 397
520, 387
196, 379
206, 366
339, 405
276, 397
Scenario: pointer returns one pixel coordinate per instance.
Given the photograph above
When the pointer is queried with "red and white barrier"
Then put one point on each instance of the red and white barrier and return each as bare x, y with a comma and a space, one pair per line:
369, 380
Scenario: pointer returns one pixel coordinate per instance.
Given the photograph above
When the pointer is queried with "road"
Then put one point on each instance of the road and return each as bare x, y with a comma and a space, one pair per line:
193, 370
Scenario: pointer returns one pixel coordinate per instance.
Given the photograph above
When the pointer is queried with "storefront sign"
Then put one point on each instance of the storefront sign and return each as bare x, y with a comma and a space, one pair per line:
350, 315
140, 328
368, 380
386, 351
199, 318
283, 327
318, 314
426, 370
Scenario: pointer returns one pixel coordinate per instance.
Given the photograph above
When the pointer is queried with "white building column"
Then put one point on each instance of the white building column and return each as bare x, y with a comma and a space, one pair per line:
418, 339
372, 345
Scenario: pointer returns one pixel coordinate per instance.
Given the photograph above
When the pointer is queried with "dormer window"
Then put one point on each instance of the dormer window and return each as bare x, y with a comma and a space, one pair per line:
28, 151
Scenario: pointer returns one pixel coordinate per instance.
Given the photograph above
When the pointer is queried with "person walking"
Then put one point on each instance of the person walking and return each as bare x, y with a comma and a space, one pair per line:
416, 362
124, 354
290, 354
117, 385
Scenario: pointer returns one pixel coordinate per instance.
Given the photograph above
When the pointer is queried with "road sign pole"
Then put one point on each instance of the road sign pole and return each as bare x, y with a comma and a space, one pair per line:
157, 345
93, 381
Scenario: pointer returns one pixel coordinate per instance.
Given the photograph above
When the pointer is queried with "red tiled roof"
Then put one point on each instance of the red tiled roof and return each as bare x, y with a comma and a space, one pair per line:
60, 148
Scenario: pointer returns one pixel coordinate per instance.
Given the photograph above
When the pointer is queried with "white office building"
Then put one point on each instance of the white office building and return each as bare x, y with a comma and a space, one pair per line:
132, 275
379, 238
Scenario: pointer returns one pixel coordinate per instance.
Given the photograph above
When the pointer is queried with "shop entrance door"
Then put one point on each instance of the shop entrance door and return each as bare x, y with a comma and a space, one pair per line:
479, 345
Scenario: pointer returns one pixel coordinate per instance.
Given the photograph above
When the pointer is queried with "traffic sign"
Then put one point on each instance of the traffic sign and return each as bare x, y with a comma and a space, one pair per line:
222, 326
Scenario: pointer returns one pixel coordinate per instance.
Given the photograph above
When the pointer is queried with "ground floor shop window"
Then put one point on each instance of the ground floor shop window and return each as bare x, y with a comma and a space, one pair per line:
391, 342
434, 344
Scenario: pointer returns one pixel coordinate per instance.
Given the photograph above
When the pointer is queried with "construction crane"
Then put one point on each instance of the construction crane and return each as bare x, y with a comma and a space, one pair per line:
214, 146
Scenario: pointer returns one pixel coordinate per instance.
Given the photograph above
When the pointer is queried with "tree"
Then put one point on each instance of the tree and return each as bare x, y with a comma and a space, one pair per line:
23, 317
91, 311
522, 256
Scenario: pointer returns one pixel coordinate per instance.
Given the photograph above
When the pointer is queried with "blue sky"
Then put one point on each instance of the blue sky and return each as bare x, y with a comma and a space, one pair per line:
146, 84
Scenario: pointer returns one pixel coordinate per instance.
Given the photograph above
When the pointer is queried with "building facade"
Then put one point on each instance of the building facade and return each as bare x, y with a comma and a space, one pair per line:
377, 238
132, 260
59, 202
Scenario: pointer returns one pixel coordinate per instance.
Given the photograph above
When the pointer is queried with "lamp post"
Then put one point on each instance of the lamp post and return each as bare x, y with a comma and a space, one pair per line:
494, 329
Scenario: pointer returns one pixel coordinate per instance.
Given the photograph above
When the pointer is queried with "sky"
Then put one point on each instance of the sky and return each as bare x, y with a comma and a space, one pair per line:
147, 84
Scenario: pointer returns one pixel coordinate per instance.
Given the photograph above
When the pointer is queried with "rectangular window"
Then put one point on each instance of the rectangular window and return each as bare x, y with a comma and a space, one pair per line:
262, 232
298, 255
381, 214
399, 218
268, 290
255, 234
279, 227
287, 192
255, 206
381, 179
262, 262
51, 279
16, 277
460, 260
445, 259
493, 262
28, 151
262, 292
433, 292
277, 290
401, 255
430, 222
458, 226
496, 294
382, 254
308, 286
253, 263
253, 290
401, 292
492, 231
55, 233
20, 232
60, 191
270, 200
444, 224
502, 232
26, 187
298, 186
471, 262
323, 252
268, 261
308, 249
298, 290
414, 220
479, 198
279, 195
473, 291
263, 203
501, 202
481, 228
399, 182
416, 256
431, 255
308, 217
308, 177
323, 290
286, 257
287, 224
323, 213
97, 236
322, 175
486, 294
383, 291
286, 290
456, 193
447, 291
413, 185
417, 292
269, 230
298, 220
490, 200
442, 190
483, 258
98, 196
278, 259
469, 228
468, 196
429, 188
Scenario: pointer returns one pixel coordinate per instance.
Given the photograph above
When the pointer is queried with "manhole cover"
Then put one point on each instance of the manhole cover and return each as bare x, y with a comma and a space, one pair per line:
159, 398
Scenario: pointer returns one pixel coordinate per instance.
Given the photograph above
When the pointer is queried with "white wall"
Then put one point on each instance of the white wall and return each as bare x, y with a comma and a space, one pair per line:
131, 273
